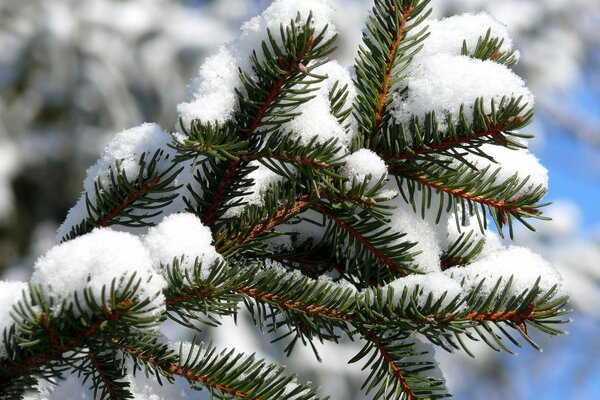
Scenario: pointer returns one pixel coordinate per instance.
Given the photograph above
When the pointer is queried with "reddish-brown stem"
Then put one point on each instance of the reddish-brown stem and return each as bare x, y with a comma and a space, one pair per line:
49, 332
518, 318
297, 305
269, 222
406, 389
384, 259
190, 375
492, 130
211, 212
389, 66
111, 393
274, 91
205, 293
311, 162
283, 214
502, 205
75, 342
133, 196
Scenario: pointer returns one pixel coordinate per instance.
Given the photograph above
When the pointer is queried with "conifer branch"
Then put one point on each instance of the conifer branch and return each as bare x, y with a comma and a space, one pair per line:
396, 372
63, 345
227, 373
106, 381
366, 243
131, 198
386, 50
492, 130
311, 310
384, 88
287, 70
502, 205
119, 200
290, 158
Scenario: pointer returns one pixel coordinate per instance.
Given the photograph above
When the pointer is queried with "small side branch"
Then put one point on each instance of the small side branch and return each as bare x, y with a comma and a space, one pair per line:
389, 67
112, 394
131, 198
381, 256
406, 389
297, 305
492, 130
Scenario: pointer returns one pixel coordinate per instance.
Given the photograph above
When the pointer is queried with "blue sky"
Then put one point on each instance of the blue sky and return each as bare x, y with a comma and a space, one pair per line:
574, 166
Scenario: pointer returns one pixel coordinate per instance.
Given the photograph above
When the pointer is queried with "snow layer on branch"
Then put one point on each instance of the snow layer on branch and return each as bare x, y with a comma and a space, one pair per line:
423, 232
10, 294
446, 36
361, 164
182, 236
263, 178
435, 284
511, 162
213, 97
212, 93
254, 31
126, 148
443, 82
315, 118
93, 261
519, 262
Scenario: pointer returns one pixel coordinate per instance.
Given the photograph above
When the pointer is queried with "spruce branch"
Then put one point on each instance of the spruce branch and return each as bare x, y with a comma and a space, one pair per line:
386, 50
422, 140
129, 201
504, 200
269, 98
225, 373
259, 181
489, 48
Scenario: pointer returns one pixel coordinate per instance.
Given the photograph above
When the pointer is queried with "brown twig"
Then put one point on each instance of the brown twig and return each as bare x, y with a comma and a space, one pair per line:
133, 196
389, 66
406, 389
492, 130
107, 383
382, 257
75, 342
291, 68
297, 305
503, 206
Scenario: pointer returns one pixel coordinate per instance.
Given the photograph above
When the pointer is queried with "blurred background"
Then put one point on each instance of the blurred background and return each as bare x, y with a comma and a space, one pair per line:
74, 72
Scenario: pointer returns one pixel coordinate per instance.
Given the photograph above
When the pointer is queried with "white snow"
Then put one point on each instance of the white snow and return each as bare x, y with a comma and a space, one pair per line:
521, 263
443, 82
315, 119
436, 284
361, 164
126, 148
510, 162
212, 92
446, 36
93, 261
422, 231
10, 293
181, 236
214, 98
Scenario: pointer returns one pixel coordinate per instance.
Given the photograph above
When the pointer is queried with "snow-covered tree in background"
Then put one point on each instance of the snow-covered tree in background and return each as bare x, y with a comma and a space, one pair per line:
330, 203
72, 73
56, 54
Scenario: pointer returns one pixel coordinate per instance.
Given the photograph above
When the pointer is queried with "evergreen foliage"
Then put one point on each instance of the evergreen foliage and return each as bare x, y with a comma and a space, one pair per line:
289, 289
